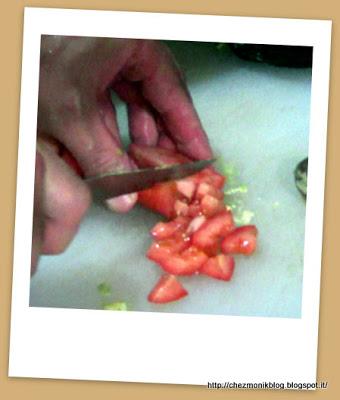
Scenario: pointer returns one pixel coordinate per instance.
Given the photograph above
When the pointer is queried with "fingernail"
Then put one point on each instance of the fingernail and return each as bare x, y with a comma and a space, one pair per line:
122, 204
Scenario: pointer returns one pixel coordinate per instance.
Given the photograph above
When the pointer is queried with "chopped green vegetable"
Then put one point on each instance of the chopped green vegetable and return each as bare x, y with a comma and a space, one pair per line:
104, 289
245, 217
234, 194
235, 190
117, 306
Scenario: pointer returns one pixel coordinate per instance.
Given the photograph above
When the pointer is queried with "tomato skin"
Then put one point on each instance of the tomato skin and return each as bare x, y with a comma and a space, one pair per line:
167, 289
241, 241
218, 226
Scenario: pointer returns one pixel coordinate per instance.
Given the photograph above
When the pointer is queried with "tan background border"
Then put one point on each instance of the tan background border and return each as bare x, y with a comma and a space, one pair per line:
11, 46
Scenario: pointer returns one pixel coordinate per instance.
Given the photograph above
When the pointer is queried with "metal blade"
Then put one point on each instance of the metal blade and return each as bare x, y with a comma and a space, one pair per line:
115, 184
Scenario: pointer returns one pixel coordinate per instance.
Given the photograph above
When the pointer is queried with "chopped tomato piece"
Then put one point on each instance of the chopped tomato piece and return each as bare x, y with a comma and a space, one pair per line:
195, 224
185, 263
160, 198
194, 209
167, 289
200, 226
242, 240
147, 156
219, 267
211, 205
208, 235
209, 175
164, 230
204, 189
186, 187
160, 251
181, 208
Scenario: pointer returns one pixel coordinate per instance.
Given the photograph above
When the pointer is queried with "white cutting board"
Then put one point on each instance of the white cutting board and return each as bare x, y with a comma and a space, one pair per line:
257, 119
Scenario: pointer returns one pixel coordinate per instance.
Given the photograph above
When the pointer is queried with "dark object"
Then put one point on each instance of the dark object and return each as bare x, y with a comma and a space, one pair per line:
301, 173
284, 56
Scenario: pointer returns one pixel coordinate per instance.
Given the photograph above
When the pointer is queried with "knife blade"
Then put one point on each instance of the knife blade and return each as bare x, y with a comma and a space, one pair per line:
115, 184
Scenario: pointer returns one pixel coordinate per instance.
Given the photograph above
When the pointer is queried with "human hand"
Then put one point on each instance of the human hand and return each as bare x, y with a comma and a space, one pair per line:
75, 108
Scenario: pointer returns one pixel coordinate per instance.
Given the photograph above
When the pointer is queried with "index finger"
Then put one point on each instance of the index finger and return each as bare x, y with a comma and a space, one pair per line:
164, 88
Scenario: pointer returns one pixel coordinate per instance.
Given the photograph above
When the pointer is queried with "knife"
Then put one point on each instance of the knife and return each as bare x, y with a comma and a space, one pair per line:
110, 185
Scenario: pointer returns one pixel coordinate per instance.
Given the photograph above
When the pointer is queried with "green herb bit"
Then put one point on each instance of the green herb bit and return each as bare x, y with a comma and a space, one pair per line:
245, 217
117, 306
236, 190
104, 289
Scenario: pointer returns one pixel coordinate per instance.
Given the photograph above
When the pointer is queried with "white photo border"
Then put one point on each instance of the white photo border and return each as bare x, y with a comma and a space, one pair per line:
156, 347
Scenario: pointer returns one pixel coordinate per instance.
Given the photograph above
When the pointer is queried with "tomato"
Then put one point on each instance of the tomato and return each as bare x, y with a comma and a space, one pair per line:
181, 208
201, 232
219, 267
209, 175
167, 289
164, 230
186, 187
242, 240
216, 227
204, 189
160, 198
211, 205
195, 224
160, 251
187, 262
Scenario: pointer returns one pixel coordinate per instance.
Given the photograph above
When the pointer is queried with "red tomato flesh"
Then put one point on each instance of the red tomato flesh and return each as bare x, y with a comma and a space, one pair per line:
167, 289
219, 267
200, 226
160, 198
211, 205
164, 230
209, 234
242, 241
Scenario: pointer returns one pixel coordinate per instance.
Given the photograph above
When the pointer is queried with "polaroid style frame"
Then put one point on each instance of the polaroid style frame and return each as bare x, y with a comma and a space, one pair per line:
156, 347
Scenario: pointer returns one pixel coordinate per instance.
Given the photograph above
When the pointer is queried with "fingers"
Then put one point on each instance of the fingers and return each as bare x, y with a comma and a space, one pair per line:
95, 143
66, 200
166, 143
142, 125
162, 85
